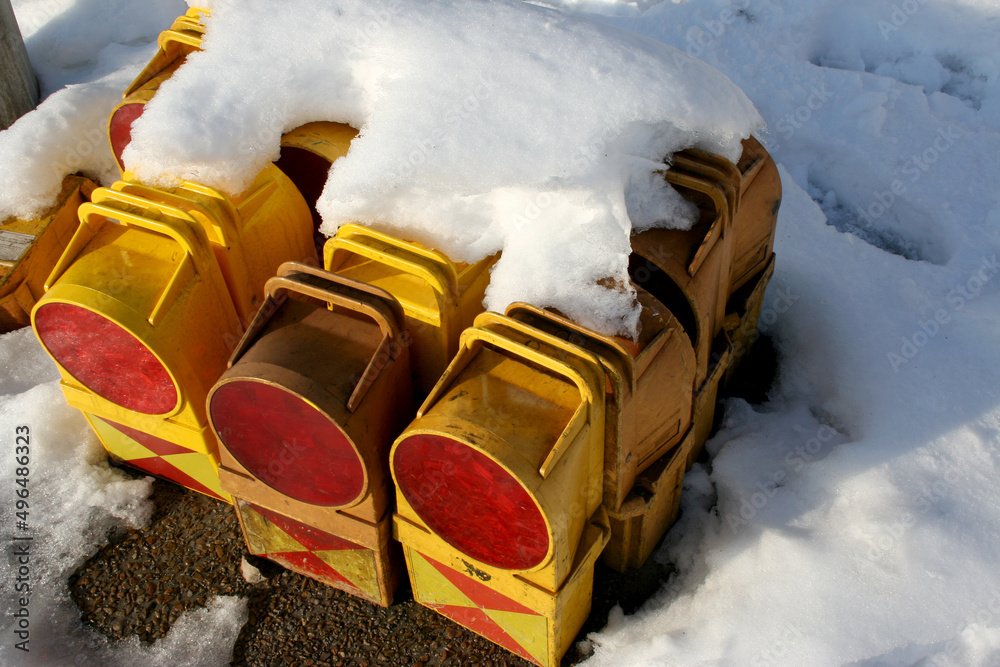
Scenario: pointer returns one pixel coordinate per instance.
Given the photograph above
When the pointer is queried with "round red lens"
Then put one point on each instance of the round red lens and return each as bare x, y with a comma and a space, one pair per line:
120, 128
287, 443
471, 502
108, 360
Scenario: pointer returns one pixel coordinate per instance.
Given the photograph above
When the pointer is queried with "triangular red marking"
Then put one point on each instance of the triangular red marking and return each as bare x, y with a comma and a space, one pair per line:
309, 564
157, 466
482, 595
477, 621
156, 445
311, 538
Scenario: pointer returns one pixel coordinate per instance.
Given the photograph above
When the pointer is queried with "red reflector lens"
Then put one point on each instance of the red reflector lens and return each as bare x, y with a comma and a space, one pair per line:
108, 360
471, 502
120, 128
287, 443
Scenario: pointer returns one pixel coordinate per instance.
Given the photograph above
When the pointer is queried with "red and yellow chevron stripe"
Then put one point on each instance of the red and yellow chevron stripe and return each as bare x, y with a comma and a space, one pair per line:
327, 558
191, 469
478, 607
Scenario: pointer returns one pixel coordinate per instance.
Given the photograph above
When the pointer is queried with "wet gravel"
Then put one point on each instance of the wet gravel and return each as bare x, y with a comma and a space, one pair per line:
143, 580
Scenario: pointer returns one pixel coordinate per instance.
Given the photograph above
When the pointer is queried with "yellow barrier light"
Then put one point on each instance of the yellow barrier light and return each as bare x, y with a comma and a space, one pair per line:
711, 277
648, 411
147, 302
499, 476
315, 393
176, 44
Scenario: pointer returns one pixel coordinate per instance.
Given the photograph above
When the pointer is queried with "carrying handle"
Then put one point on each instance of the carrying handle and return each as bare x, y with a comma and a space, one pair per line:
432, 266
624, 362
330, 288
718, 195
177, 42
222, 224
586, 374
180, 228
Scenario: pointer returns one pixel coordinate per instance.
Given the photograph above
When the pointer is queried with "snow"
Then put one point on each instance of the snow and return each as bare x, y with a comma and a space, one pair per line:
551, 195
853, 519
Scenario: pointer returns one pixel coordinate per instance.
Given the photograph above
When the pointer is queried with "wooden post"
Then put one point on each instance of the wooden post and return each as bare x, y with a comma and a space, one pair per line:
18, 86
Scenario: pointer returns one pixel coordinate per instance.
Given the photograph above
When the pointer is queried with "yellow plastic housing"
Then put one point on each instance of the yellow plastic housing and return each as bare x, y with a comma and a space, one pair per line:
533, 404
439, 297
181, 272
531, 622
176, 44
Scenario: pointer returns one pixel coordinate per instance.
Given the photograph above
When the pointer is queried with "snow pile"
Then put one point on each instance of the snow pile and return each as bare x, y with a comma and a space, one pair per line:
463, 144
855, 518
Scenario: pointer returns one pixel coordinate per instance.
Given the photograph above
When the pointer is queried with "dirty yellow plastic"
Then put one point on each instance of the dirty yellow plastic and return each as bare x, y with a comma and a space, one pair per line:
554, 449
440, 297
537, 624
30, 248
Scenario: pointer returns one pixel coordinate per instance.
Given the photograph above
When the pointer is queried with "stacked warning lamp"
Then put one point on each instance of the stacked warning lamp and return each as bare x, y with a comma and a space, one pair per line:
176, 44
499, 488
307, 152
29, 249
712, 277
144, 306
315, 393
497, 518
341, 541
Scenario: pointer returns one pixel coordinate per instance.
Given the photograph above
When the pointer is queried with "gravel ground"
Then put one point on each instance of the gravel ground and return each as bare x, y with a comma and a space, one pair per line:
191, 550
142, 581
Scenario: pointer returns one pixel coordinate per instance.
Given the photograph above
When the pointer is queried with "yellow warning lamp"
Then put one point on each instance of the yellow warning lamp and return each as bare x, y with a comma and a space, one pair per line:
147, 302
30, 248
712, 276
439, 297
307, 152
499, 487
316, 391
183, 38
